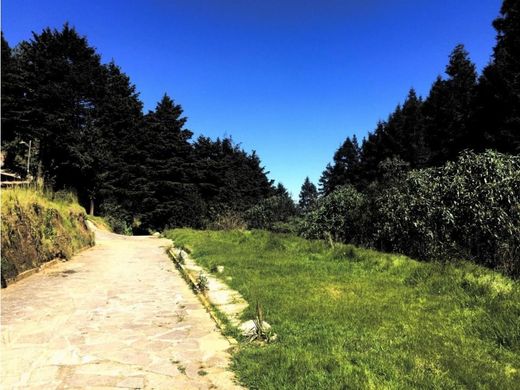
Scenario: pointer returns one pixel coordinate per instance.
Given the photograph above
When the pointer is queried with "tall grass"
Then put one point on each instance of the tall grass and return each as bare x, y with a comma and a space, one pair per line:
355, 318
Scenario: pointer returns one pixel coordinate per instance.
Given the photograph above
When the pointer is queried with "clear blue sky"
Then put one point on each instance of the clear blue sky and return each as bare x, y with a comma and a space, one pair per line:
290, 79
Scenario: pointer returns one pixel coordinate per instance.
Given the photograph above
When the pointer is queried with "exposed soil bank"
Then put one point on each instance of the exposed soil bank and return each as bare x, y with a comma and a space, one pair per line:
36, 229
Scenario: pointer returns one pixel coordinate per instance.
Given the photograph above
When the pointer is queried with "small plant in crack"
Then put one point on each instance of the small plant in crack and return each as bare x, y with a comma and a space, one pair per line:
181, 369
181, 258
181, 315
202, 282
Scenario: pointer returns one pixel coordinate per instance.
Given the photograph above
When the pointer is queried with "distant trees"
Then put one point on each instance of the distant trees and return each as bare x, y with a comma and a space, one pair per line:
86, 124
308, 195
460, 112
345, 168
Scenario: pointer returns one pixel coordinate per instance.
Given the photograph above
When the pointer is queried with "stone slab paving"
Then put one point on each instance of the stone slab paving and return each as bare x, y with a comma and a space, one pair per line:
116, 316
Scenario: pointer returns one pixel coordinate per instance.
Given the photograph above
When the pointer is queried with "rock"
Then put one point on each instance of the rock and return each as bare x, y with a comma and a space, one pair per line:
156, 235
248, 328
220, 269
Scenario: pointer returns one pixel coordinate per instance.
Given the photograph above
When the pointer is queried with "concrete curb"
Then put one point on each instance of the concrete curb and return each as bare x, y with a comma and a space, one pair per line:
208, 305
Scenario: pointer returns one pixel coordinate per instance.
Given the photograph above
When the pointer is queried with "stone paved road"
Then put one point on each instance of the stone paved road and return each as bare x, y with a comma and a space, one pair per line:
116, 316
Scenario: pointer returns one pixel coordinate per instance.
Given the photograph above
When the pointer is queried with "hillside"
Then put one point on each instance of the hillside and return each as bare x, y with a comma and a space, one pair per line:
37, 228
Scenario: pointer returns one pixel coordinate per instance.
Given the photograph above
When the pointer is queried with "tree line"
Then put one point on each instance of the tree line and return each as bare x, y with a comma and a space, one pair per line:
462, 111
440, 178
422, 183
89, 135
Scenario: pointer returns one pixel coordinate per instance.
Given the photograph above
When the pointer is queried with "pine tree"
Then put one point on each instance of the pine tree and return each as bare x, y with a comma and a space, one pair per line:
169, 198
448, 109
281, 190
497, 117
13, 129
119, 172
228, 178
370, 157
308, 195
403, 135
62, 78
345, 169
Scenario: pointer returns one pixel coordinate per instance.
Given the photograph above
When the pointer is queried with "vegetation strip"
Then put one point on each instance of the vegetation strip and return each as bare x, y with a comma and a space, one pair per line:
210, 308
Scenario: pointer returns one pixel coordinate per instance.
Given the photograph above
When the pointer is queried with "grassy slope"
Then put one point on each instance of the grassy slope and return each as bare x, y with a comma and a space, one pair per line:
354, 318
100, 222
36, 229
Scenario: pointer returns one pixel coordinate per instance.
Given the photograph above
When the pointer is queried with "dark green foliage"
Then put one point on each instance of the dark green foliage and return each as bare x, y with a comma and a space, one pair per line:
119, 118
166, 153
497, 117
308, 196
62, 79
467, 209
336, 216
89, 135
228, 179
345, 169
13, 131
448, 109
403, 134
273, 210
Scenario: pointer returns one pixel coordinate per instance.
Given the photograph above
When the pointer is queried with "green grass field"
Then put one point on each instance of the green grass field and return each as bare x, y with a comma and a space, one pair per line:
354, 318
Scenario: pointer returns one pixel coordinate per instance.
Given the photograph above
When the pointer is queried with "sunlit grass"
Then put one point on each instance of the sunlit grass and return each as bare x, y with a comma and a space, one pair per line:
100, 222
354, 318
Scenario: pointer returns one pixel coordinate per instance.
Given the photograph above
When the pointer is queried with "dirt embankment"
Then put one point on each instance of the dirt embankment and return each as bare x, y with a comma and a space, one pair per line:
37, 228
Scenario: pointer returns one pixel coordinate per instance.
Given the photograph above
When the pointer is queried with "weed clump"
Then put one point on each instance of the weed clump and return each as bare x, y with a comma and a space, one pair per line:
202, 283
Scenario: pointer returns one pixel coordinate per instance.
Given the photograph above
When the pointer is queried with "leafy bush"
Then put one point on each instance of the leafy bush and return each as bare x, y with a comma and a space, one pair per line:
469, 208
336, 216
228, 220
466, 209
118, 218
267, 213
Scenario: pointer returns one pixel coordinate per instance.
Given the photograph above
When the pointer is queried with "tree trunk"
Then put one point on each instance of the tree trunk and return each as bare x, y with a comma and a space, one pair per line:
91, 206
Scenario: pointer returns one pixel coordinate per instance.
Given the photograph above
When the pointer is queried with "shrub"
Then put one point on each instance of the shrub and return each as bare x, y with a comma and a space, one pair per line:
468, 208
336, 216
118, 218
269, 212
228, 220
202, 283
